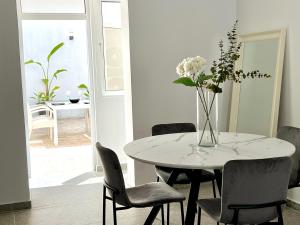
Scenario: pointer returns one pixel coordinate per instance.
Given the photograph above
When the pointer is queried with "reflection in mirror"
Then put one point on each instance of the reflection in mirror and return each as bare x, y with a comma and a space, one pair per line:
255, 102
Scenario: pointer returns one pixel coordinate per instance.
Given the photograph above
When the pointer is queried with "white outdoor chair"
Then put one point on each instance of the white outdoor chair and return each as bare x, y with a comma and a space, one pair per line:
37, 121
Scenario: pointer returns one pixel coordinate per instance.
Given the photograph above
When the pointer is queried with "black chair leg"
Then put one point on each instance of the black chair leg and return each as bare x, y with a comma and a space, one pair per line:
280, 218
214, 188
104, 205
157, 179
199, 216
162, 215
218, 175
182, 213
236, 216
168, 213
114, 210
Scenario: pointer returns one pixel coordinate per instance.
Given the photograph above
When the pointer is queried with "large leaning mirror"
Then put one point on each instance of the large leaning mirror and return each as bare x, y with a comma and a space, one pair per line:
255, 102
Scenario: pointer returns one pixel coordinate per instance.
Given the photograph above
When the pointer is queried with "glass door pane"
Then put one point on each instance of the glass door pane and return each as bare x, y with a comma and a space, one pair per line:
53, 6
113, 53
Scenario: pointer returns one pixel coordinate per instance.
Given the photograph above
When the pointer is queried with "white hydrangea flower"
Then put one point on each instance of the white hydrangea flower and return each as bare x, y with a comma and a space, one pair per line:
201, 62
188, 67
191, 66
180, 69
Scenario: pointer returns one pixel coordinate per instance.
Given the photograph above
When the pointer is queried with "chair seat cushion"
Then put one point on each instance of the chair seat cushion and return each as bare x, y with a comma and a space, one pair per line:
211, 206
41, 118
164, 173
42, 122
153, 194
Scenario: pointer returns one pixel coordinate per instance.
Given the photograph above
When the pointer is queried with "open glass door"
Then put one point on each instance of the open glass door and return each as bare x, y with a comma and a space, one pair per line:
109, 76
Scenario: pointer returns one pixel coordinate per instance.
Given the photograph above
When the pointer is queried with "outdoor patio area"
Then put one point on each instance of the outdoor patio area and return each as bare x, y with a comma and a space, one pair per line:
68, 162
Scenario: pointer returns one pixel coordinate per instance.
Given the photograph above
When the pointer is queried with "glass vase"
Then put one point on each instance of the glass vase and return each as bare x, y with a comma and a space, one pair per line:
207, 118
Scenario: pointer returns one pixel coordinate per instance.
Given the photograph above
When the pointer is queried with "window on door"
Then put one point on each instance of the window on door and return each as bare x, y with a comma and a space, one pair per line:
113, 47
53, 6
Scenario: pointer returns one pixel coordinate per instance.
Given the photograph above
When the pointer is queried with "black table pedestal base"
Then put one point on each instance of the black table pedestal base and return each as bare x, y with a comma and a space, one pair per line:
191, 211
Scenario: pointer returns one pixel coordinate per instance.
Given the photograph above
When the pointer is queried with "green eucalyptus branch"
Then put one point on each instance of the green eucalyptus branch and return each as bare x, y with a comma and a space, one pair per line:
224, 68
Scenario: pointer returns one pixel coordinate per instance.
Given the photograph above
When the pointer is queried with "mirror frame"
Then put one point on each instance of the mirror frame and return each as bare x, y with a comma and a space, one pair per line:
235, 98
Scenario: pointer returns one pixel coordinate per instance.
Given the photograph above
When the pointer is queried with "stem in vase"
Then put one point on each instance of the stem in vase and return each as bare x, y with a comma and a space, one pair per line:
207, 117
205, 108
207, 112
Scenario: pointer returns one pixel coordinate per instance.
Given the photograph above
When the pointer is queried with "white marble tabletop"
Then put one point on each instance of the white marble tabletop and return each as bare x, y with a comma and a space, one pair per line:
180, 150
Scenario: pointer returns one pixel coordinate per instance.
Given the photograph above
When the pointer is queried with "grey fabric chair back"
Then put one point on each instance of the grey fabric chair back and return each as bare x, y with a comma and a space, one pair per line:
292, 135
113, 174
254, 182
171, 128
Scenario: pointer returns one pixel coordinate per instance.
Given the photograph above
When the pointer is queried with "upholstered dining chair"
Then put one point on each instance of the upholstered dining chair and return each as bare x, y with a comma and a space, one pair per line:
147, 195
163, 173
292, 135
253, 192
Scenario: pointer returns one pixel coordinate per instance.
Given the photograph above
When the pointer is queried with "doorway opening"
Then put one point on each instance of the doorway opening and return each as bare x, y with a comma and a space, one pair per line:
74, 89
59, 126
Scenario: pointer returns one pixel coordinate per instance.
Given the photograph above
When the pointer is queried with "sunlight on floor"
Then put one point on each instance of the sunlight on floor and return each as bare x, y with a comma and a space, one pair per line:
71, 162
58, 166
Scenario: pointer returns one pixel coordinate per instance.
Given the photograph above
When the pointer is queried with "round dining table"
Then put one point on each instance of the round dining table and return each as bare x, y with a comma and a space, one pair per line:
181, 151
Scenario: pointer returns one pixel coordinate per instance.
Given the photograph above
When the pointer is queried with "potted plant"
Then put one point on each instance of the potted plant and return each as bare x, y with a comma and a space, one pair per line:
48, 94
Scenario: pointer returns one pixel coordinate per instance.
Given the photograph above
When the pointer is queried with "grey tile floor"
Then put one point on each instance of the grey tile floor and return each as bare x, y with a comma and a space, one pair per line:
81, 205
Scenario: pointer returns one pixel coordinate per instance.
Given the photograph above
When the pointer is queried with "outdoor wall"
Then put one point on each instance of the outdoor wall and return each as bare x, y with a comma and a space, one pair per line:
161, 34
39, 37
13, 165
270, 15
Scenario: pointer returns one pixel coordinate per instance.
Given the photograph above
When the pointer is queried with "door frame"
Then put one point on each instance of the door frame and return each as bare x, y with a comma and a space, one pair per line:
60, 16
95, 48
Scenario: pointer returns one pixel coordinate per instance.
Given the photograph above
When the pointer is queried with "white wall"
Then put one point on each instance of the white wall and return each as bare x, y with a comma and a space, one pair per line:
161, 34
263, 15
13, 164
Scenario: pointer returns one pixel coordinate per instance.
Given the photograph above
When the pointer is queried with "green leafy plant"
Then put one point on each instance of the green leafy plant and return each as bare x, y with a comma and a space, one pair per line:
48, 94
86, 90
